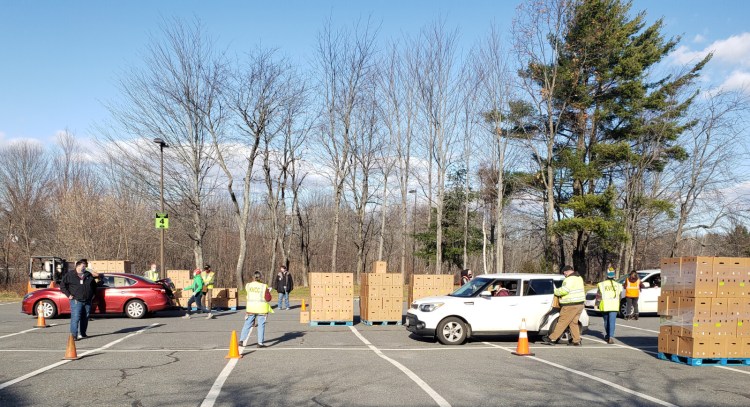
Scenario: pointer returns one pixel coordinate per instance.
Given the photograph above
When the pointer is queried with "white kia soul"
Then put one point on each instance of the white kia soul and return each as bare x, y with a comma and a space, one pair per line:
490, 304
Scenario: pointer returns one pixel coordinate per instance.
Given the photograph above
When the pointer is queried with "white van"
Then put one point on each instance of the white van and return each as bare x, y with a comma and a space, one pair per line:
490, 304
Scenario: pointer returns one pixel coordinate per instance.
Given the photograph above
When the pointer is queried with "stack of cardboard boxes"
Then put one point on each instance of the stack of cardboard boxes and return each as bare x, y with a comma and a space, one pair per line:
425, 285
112, 266
705, 307
221, 297
381, 295
332, 297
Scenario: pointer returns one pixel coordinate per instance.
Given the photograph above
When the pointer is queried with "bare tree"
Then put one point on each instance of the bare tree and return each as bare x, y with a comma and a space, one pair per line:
344, 60
170, 98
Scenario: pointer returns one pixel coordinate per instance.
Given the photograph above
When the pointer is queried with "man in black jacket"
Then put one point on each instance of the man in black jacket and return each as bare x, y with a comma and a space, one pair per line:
80, 288
284, 285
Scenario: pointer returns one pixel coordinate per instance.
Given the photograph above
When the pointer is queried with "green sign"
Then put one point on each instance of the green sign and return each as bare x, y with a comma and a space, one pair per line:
162, 220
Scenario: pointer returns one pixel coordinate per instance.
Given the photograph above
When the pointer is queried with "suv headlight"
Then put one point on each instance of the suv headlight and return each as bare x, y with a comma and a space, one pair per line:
430, 306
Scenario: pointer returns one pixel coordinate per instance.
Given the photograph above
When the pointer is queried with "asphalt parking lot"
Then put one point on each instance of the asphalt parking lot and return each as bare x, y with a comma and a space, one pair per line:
164, 360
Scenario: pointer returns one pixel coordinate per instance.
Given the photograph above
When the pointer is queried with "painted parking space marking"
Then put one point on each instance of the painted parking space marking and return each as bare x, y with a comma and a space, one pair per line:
595, 378
215, 390
23, 332
640, 329
9, 303
54, 365
421, 383
732, 369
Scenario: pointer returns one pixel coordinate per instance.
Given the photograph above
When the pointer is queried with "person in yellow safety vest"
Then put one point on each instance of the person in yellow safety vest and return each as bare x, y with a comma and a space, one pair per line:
632, 286
608, 297
208, 285
572, 295
151, 273
257, 308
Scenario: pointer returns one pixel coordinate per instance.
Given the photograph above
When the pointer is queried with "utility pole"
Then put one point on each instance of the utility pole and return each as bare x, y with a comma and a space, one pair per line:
162, 145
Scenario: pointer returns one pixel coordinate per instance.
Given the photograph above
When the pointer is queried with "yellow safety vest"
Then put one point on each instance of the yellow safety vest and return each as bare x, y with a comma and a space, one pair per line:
571, 291
256, 298
209, 280
151, 275
633, 289
609, 290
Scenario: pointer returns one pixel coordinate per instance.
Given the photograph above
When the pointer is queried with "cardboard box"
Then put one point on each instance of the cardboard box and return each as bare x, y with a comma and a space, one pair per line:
663, 306
178, 274
379, 267
219, 293
745, 341
317, 315
734, 348
702, 308
704, 347
663, 343
743, 328
719, 307
304, 317
723, 328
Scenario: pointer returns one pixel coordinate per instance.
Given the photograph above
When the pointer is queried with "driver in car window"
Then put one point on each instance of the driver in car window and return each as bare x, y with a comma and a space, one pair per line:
500, 290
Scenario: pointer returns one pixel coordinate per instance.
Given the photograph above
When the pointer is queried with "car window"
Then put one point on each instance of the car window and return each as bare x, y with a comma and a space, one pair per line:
504, 287
654, 281
539, 287
473, 287
106, 281
120, 281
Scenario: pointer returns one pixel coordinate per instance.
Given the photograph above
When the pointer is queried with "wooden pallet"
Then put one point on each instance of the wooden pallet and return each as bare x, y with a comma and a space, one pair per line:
331, 323
371, 323
685, 360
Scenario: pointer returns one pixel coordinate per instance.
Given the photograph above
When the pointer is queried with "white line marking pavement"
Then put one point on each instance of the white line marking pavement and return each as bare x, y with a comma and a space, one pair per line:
421, 383
213, 394
54, 365
592, 377
23, 332
734, 370
9, 303
640, 329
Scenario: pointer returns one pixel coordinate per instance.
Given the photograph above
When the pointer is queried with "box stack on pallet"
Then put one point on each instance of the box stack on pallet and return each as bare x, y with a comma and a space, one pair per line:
224, 298
425, 285
112, 266
332, 299
381, 296
705, 310
181, 279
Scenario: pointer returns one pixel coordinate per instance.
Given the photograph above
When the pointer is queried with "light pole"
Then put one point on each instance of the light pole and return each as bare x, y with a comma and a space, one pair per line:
414, 230
162, 145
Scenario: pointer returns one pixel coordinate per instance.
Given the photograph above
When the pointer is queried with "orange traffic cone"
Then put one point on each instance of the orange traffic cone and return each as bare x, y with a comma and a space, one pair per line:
52, 284
40, 322
304, 307
234, 348
70, 352
28, 287
523, 341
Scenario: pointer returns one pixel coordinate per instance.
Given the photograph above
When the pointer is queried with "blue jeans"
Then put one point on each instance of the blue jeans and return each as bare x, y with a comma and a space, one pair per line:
79, 315
197, 298
249, 323
610, 319
285, 297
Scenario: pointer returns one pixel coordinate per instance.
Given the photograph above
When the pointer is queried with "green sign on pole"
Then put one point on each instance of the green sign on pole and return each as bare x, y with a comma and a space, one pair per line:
162, 220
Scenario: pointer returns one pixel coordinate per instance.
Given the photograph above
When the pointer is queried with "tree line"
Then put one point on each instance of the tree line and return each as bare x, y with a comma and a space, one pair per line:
568, 140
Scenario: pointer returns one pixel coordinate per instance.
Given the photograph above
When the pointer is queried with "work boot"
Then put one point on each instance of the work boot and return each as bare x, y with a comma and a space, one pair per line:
547, 341
635, 317
610, 341
575, 343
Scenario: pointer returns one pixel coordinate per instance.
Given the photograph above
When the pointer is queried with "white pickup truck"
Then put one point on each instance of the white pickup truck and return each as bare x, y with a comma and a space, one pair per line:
491, 304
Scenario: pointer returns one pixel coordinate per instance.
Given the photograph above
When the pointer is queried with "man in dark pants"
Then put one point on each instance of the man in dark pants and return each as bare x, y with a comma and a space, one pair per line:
80, 288
284, 285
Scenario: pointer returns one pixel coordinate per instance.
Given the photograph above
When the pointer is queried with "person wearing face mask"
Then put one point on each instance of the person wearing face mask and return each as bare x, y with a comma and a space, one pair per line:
151, 273
80, 288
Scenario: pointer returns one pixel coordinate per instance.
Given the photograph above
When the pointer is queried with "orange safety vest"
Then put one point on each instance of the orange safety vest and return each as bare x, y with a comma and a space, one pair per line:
633, 289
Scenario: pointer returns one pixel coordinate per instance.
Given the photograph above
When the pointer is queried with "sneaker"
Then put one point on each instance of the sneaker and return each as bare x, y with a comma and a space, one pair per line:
606, 338
610, 341
547, 341
260, 345
210, 316
80, 337
244, 343
287, 308
187, 316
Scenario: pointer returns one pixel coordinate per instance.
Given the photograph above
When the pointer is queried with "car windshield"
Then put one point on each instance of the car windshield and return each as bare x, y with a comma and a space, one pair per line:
472, 288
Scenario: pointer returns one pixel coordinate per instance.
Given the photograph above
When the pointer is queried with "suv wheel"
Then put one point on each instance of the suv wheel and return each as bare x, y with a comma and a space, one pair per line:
451, 331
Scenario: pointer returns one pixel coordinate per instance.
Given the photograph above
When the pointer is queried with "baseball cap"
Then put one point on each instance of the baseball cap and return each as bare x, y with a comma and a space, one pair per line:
611, 274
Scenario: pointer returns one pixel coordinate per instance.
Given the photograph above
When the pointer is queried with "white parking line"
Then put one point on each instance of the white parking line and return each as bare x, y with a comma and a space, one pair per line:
9, 303
734, 370
421, 383
640, 329
54, 365
213, 394
23, 332
588, 376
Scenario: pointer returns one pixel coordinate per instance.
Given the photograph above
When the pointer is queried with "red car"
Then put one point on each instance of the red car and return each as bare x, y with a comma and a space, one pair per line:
116, 293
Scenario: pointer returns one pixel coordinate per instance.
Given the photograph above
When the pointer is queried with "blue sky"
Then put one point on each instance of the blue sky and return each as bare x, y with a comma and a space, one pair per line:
59, 60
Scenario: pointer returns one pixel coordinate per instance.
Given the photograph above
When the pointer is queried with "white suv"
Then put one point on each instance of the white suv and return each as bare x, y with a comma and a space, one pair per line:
648, 301
481, 307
